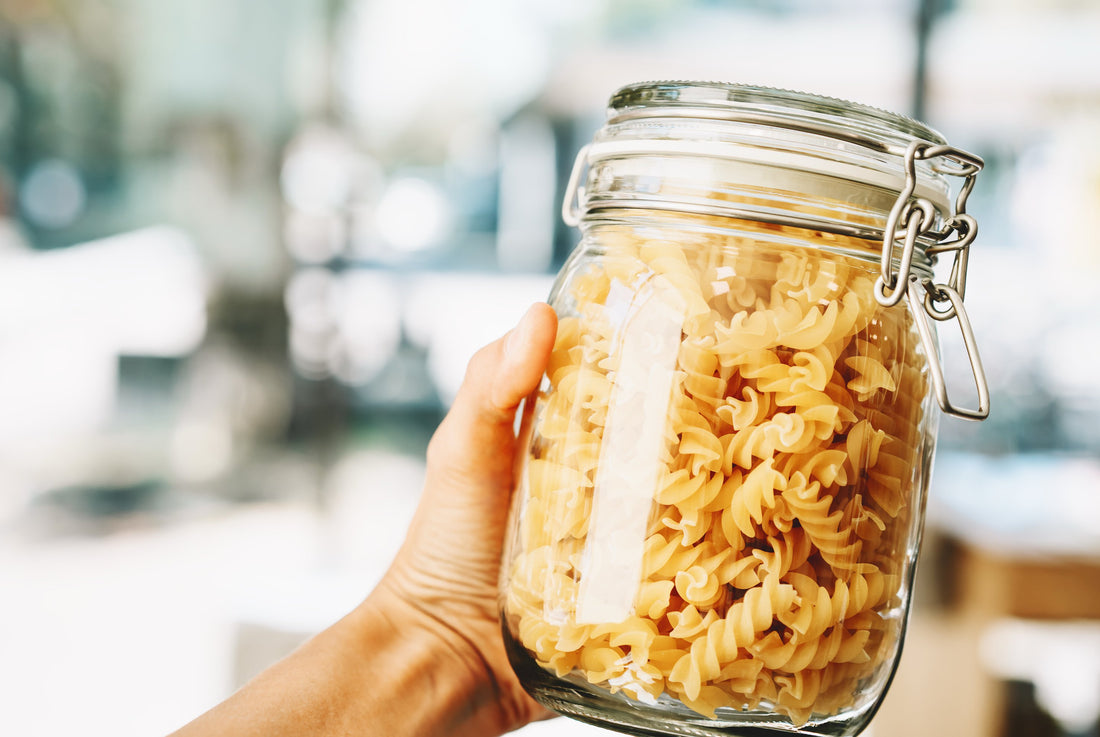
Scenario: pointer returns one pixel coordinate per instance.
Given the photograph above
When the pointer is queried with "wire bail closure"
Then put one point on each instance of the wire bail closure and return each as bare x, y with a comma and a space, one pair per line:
911, 219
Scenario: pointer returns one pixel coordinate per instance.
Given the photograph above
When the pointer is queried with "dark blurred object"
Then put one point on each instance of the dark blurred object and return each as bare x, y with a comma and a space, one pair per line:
1023, 717
60, 116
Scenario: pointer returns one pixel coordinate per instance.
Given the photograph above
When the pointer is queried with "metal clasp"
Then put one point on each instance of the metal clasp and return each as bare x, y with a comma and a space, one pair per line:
922, 309
911, 219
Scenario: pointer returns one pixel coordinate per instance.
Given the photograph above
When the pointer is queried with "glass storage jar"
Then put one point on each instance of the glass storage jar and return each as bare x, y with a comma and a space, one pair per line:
718, 513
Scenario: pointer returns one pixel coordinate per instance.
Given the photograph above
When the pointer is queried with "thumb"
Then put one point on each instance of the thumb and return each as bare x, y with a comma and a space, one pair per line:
474, 442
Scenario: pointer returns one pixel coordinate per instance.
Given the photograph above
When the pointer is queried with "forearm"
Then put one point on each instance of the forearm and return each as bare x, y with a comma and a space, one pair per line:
385, 669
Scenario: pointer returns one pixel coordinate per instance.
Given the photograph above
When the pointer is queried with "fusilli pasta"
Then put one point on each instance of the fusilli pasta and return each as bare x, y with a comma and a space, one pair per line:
778, 492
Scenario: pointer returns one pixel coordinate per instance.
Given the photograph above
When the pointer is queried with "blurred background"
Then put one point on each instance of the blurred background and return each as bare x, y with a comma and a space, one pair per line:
246, 250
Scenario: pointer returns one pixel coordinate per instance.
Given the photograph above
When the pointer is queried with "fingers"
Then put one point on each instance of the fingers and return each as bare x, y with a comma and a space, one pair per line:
525, 353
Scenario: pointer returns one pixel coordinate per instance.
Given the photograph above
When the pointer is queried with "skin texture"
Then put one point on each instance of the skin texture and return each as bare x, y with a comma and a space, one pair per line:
422, 655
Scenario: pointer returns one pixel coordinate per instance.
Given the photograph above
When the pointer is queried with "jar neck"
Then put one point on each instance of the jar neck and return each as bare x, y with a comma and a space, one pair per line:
690, 169
675, 180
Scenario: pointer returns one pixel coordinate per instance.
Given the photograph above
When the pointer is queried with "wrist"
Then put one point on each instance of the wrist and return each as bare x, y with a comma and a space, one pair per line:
436, 672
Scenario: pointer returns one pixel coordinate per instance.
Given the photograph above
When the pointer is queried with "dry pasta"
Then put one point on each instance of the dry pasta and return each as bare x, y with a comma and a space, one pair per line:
776, 505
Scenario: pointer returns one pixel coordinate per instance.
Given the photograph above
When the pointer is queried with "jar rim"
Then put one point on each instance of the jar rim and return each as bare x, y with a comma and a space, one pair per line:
831, 116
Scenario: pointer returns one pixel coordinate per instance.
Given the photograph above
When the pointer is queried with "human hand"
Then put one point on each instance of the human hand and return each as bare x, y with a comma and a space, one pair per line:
447, 569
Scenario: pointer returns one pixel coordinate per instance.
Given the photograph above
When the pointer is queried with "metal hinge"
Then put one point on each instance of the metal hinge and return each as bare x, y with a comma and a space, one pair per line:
911, 219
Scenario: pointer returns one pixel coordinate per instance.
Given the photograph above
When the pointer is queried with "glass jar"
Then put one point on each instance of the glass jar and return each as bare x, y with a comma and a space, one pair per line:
719, 510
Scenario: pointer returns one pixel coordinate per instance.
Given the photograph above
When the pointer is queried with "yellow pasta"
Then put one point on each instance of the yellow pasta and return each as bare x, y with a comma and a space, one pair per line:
771, 548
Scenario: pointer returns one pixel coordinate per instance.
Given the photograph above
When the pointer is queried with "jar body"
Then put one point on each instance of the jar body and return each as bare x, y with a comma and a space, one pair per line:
720, 501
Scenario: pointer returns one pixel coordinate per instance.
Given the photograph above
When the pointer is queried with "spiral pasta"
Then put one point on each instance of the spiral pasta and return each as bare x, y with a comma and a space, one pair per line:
772, 508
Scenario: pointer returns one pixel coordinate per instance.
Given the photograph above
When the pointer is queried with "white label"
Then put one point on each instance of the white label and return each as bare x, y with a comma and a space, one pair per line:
629, 463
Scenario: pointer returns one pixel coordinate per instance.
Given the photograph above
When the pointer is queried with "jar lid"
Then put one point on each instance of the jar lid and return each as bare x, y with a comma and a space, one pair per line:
757, 153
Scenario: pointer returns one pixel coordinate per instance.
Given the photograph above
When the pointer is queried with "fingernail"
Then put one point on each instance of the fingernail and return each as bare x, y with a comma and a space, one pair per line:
517, 336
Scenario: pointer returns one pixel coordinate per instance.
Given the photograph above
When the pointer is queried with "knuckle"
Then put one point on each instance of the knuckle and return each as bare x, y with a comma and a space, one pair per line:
480, 363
